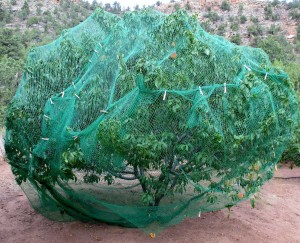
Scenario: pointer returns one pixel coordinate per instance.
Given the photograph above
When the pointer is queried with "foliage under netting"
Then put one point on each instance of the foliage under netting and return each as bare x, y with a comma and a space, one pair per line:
144, 119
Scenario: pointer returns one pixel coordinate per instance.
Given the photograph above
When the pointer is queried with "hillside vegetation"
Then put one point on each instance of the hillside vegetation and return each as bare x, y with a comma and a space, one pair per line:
273, 26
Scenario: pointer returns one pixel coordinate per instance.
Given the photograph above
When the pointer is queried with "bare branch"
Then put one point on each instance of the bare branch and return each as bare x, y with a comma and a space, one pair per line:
126, 178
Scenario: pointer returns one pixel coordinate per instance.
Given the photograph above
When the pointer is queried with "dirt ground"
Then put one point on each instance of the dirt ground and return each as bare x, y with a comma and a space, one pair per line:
276, 218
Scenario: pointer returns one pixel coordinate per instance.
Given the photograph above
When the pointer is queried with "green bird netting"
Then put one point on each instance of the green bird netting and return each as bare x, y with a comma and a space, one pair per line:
144, 119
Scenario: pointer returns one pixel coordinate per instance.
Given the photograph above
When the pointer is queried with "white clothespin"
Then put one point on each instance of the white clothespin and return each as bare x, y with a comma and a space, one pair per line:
73, 85
63, 94
100, 45
47, 117
266, 75
96, 51
165, 95
199, 214
51, 102
77, 96
200, 90
249, 69
225, 88
45, 139
90, 61
103, 111
75, 137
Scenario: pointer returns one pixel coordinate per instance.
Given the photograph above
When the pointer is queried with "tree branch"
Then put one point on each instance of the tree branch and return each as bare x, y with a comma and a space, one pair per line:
126, 178
127, 172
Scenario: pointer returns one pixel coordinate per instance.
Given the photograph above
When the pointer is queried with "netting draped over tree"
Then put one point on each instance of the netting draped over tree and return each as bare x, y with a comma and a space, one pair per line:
145, 119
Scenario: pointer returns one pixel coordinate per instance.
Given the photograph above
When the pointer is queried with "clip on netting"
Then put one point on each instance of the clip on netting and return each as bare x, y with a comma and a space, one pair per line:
249, 69
266, 76
165, 95
200, 90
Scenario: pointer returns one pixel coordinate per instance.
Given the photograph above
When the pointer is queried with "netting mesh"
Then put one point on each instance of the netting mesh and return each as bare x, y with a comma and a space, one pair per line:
145, 119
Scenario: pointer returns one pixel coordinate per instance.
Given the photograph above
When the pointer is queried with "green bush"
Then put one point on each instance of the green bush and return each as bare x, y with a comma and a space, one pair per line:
293, 151
188, 6
14, 45
294, 4
275, 17
38, 10
222, 29
243, 19
212, 16
13, 2
294, 14
254, 19
86, 5
234, 26
207, 26
277, 47
10, 70
169, 144
10, 44
8, 16
268, 12
297, 46
2, 12
176, 6
241, 8
25, 11
275, 3
31, 37
255, 30
32, 20
292, 68
225, 6
231, 19
274, 29
236, 39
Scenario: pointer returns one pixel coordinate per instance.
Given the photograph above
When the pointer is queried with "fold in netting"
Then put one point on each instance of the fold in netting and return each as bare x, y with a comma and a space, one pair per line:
145, 119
